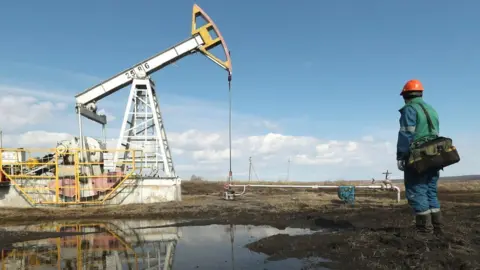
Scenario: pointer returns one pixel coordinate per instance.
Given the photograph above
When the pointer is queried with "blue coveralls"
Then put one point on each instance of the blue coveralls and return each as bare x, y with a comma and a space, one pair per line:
420, 189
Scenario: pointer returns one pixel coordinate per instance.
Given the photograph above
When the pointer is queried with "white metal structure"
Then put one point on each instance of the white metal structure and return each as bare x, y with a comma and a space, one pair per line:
143, 128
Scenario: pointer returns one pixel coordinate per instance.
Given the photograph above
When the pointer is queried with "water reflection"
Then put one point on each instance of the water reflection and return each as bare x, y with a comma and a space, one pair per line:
143, 245
112, 245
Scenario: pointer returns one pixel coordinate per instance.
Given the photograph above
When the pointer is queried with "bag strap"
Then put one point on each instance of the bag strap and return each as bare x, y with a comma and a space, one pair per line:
429, 120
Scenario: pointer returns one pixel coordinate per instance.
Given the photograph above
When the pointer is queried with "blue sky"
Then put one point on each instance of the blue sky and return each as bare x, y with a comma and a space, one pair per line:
329, 70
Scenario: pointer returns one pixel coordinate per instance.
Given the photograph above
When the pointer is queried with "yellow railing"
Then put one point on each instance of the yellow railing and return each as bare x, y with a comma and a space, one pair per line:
50, 177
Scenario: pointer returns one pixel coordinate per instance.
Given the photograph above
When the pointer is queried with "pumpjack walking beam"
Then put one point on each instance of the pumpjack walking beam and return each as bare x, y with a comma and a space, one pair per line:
143, 91
200, 41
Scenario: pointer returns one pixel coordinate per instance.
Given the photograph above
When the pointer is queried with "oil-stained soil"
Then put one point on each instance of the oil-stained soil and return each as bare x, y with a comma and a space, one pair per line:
375, 233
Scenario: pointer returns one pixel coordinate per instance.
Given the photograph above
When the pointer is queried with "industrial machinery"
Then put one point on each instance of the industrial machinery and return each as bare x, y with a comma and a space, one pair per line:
82, 170
143, 128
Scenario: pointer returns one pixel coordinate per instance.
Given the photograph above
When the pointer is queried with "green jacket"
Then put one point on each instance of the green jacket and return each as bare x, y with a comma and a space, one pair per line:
414, 125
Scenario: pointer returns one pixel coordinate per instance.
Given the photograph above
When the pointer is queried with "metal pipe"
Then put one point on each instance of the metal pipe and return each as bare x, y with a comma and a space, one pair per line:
398, 192
104, 133
230, 176
382, 187
249, 169
308, 186
81, 135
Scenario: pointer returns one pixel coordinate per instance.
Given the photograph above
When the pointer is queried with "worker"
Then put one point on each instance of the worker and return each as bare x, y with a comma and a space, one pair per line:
420, 189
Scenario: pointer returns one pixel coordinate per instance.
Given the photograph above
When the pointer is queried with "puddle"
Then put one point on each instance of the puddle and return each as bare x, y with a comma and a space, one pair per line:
147, 245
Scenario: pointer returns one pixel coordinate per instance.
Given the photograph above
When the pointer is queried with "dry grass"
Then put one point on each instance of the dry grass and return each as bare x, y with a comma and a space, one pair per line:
203, 199
253, 206
459, 185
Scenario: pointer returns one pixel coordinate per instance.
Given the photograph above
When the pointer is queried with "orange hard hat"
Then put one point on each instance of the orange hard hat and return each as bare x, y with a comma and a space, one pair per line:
411, 86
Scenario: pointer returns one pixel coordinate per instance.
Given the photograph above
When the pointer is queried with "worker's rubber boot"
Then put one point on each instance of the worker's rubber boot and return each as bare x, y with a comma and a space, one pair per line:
437, 222
423, 224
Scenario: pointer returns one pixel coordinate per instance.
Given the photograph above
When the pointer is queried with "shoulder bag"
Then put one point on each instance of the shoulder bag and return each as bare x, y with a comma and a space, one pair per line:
432, 155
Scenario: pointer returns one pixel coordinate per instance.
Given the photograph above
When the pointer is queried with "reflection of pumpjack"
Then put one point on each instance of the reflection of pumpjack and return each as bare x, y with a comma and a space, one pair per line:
231, 230
105, 246
232, 240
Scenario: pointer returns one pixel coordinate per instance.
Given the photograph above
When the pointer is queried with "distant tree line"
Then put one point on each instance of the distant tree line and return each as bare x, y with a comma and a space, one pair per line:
195, 178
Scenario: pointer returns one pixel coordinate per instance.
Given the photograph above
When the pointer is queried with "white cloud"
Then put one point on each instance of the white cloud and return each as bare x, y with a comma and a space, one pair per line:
195, 140
38, 93
274, 143
38, 138
59, 71
198, 134
272, 150
306, 160
214, 156
20, 111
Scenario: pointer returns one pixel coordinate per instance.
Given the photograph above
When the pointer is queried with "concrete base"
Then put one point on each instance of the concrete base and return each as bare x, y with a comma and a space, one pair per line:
145, 190
10, 197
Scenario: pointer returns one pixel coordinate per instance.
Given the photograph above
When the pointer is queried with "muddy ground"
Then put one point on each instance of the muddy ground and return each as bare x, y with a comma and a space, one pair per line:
374, 233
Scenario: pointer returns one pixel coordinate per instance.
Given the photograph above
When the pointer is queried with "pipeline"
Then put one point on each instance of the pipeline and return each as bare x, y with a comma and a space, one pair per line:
381, 187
